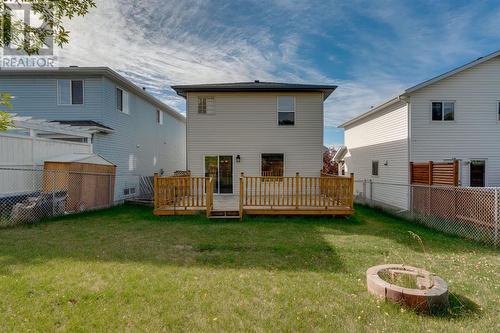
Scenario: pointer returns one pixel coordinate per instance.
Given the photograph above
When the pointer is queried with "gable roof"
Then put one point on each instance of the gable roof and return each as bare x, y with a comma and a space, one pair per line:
104, 71
419, 86
255, 86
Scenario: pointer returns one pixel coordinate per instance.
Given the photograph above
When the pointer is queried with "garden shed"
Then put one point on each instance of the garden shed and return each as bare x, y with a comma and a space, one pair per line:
87, 179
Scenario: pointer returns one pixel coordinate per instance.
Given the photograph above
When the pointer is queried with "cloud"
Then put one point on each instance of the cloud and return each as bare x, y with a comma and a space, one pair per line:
379, 48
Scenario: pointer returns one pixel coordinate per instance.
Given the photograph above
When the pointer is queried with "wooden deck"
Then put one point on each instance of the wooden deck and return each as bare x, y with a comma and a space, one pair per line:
324, 195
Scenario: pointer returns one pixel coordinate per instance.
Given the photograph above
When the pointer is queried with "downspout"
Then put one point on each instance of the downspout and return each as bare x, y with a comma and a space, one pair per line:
408, 106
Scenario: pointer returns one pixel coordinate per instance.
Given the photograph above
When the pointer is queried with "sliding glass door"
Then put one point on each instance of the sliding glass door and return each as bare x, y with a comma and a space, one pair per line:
220, 168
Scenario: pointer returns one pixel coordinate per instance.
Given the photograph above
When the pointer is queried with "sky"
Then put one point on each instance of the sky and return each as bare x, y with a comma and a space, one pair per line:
372, 50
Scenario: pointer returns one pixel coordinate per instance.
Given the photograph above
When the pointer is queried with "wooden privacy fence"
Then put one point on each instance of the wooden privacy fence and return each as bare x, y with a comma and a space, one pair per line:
182, 195
296, 195
434, 173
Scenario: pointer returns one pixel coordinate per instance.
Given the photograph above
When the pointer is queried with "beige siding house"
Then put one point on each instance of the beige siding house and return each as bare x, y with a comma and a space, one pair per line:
259, 128
454, 116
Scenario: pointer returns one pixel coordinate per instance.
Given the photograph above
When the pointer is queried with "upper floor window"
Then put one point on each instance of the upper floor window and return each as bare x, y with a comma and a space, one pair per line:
206, 105
374, 168
286, 110
443, 111
70, 92
159, 117
122, 101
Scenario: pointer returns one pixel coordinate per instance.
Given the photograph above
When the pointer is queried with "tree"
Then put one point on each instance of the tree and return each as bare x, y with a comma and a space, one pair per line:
329, 165
5, 120
31, 39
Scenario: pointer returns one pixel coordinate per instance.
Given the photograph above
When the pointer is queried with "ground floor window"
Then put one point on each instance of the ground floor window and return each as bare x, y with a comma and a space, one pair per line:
374, 168
477, 173
272, 165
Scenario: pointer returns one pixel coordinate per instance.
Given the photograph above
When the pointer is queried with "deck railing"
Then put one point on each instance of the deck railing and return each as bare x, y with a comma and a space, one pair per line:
183, 193
296, 192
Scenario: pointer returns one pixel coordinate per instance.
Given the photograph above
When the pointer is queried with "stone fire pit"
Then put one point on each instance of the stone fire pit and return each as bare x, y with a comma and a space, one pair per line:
409, 286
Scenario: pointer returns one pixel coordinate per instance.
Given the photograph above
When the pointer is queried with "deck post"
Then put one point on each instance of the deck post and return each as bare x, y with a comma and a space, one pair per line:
352, 191
241, 195
297, 190
155, 185
496, 217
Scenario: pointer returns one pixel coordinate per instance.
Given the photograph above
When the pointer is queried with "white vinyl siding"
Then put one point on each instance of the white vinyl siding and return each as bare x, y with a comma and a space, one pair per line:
474, 133
382, 138
245, 124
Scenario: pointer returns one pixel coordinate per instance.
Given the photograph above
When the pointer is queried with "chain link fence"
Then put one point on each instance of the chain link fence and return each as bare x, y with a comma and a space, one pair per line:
469, 212
28, 195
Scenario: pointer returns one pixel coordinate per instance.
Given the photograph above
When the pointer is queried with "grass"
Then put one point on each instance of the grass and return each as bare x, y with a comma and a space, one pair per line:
123, 269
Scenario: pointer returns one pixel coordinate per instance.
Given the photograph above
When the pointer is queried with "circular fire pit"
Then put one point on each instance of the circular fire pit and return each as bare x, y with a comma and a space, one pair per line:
410, 286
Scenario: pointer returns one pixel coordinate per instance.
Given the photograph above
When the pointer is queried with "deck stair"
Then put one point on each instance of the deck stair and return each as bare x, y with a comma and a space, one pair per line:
224, 214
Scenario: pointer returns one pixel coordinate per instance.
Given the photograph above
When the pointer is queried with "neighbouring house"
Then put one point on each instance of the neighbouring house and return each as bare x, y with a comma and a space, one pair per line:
129, 127
452, 117
259, 128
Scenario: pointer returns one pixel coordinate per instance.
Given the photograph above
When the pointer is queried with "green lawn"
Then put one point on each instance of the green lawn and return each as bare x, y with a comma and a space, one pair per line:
126, 270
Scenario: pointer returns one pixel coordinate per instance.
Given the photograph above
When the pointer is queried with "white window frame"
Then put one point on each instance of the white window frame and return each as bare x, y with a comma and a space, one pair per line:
159, 117
442, 111
70, 92
207, 110
378, 168
278, 110
125, 101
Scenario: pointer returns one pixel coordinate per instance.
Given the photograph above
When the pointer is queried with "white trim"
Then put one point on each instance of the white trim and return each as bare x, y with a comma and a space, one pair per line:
70, 92
278, 110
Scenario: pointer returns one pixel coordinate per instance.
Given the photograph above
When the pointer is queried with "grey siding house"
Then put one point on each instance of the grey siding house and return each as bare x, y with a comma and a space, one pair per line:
131, 128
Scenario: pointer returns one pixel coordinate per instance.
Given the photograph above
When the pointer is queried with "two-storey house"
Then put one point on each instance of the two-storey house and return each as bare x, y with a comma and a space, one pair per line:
259, 128
132, 129
452, 117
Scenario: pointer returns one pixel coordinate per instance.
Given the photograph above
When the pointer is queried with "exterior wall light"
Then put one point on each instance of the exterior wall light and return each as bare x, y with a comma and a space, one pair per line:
238, 158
